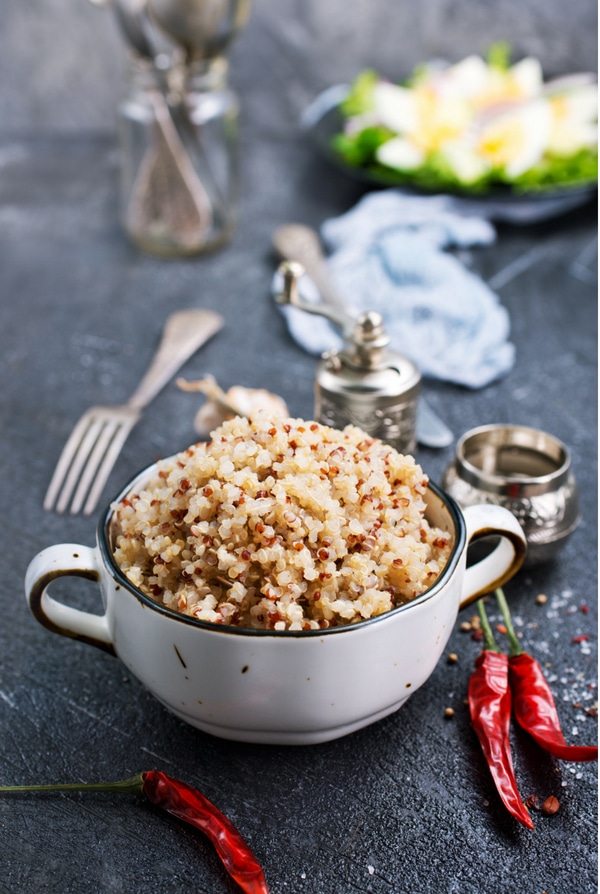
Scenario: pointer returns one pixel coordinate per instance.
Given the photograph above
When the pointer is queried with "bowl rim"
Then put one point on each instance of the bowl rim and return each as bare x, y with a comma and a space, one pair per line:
104, 544
499, 435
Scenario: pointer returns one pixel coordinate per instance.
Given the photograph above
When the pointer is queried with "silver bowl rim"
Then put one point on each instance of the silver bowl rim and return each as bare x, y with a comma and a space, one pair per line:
500, 434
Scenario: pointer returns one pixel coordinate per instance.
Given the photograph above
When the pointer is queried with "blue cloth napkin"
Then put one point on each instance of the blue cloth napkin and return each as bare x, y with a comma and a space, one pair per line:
390, 254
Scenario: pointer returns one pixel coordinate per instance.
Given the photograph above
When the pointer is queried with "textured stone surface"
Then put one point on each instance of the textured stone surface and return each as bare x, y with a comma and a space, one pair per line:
405, 806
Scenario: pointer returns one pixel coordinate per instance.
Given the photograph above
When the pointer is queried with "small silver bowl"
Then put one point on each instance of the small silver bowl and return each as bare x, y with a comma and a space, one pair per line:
526, 470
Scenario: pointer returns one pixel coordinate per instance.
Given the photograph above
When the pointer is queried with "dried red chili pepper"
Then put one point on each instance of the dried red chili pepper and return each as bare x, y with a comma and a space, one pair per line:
535, 710
188, 804
533, 703
490, 708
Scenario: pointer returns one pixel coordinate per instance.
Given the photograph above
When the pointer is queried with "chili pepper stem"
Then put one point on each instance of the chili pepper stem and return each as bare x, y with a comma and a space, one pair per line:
488, 636
513, 640
132, 786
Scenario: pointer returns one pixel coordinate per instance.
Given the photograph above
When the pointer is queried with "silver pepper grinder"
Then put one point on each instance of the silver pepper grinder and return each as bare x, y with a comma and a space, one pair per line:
364, 384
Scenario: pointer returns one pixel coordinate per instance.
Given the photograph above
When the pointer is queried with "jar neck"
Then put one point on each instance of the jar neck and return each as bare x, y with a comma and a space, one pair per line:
206, 75
201, 76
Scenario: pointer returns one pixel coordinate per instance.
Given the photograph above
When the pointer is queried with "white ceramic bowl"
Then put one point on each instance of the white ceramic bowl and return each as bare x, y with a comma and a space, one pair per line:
280, 687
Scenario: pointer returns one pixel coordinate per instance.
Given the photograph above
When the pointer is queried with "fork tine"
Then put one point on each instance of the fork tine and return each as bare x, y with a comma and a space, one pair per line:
107, 464
78, 462
63, 465
109, 429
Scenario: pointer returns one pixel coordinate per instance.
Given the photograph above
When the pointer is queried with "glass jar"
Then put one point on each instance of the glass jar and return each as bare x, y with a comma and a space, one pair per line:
179, 157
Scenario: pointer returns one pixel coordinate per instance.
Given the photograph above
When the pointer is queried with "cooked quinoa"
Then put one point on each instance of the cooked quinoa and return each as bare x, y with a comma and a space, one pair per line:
281, 525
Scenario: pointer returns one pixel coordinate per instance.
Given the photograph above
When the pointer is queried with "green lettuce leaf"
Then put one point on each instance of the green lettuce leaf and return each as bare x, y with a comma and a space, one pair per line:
360, 98
556, 171
360, 148
498, 55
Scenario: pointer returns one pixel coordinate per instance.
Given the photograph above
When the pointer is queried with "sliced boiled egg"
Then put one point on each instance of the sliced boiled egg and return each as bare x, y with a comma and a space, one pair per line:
466, 79
395, 107
440, 119
527, 76
464, 162
483, 85
420, 115
574, 120
515, 140
401, 154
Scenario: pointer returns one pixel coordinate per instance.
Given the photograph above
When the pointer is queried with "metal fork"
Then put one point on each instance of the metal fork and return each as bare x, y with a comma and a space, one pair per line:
96, 440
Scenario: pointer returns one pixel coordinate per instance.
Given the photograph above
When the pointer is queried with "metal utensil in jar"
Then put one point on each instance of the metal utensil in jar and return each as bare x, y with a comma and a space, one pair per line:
364, 384
204, 28
524, 469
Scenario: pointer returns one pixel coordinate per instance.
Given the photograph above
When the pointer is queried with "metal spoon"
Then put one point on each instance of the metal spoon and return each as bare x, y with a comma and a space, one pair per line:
130, 16
301, 243
202, 27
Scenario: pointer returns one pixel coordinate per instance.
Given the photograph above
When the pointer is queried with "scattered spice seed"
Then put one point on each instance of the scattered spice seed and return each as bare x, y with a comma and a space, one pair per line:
466, 627
533, 802
501, 628
550, 806
541, 599
585, 609
452, 658
580, 639
449, 712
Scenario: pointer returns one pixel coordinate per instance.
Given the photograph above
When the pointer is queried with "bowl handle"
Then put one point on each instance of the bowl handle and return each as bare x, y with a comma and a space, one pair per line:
500, 565
63, 560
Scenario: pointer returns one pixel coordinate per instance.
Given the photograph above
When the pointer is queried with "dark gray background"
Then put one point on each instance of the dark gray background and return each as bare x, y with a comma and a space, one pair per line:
403, 807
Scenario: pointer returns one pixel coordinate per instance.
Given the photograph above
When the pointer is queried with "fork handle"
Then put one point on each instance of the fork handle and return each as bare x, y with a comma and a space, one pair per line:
183, 334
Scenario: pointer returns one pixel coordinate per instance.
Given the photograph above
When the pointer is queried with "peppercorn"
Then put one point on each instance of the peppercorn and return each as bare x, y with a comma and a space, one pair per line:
550, 806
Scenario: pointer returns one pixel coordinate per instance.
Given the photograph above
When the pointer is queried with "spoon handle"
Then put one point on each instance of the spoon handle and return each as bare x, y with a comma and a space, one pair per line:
296, 242
185, 331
